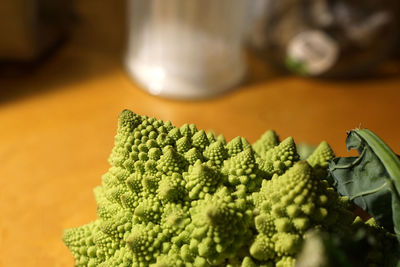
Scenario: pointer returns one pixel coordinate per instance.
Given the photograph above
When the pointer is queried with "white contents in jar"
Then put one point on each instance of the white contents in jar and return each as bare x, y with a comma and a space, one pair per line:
182, 61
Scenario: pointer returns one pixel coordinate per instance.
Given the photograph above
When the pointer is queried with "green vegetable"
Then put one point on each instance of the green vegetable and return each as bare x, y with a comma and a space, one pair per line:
305, 150
182, 197
372, 180
367, 245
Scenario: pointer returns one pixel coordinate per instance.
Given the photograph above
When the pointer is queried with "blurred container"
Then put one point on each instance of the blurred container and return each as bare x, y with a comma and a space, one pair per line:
186, 48
325, 38
29, 28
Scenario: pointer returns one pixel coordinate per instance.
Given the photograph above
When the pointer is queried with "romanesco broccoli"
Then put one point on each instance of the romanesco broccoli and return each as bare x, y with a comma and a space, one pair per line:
183, 197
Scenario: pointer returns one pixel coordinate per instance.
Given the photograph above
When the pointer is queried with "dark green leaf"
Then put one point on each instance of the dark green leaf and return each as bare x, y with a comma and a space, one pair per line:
372, 180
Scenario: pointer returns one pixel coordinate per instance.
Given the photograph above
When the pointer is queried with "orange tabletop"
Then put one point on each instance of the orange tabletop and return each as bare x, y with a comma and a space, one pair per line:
57, 125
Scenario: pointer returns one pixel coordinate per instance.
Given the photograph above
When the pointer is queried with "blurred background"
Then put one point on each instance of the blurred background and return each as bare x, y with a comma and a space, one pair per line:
191, 50
311, 69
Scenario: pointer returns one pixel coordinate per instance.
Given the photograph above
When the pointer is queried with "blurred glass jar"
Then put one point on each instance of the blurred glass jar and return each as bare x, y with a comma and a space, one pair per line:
186, 48
325, 38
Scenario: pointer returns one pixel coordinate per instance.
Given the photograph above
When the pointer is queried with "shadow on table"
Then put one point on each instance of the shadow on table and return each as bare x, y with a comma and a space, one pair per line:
94, 48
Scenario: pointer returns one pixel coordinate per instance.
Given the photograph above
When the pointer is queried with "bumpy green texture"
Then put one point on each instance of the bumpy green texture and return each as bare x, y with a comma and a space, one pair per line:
184, 197
369, 245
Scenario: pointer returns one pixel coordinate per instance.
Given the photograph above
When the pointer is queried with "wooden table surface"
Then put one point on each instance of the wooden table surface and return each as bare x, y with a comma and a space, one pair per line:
57, 125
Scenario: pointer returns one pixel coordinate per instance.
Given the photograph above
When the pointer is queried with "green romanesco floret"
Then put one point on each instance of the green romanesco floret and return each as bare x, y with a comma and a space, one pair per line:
289, 205
368, 245
178, 196
267, 141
